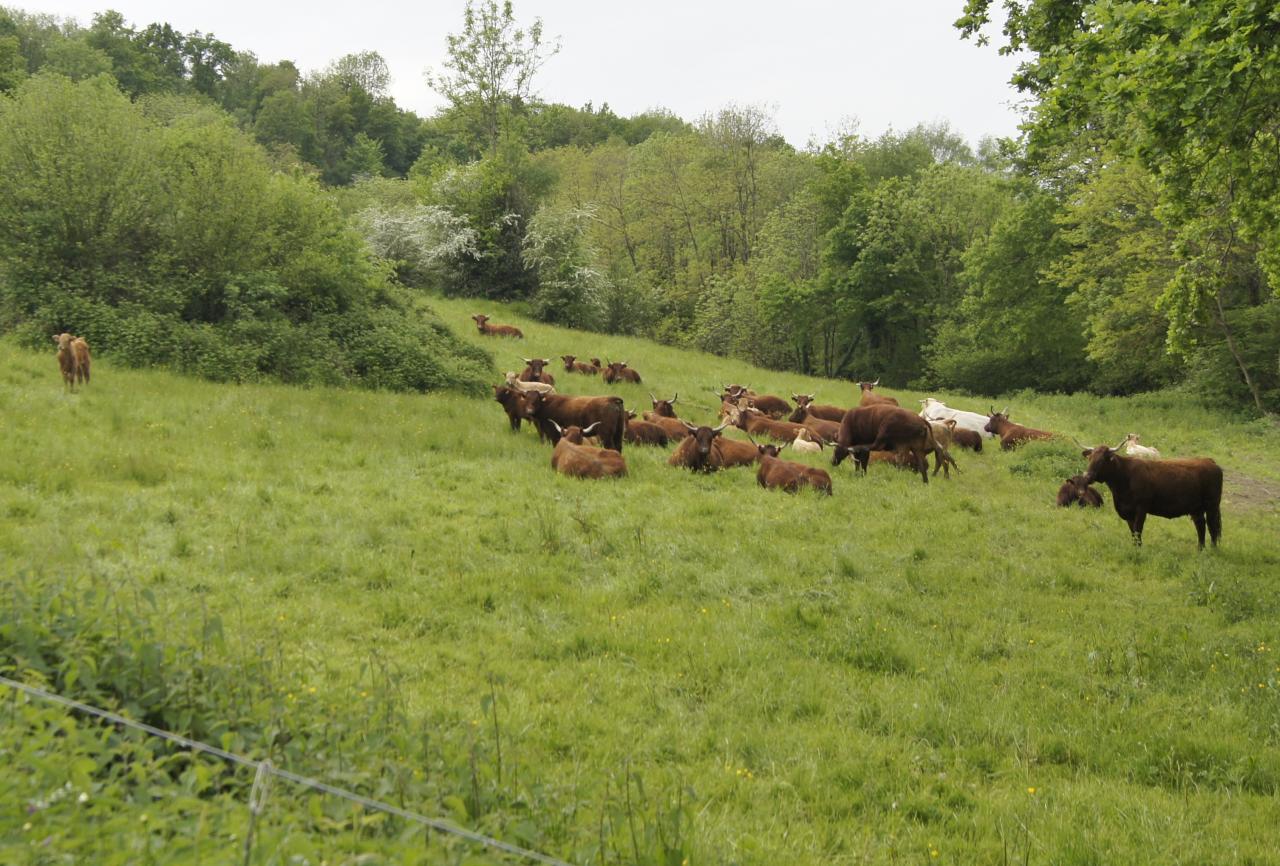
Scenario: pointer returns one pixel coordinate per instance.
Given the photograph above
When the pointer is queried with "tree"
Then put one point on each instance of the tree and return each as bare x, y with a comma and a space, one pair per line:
490, 69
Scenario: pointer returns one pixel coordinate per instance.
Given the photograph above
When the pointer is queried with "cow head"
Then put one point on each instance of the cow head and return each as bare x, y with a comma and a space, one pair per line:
703, 438
568, 362
535, 365
533, 403
595, 362
664, 407
480, 319
996, 420
767, 450
868, 386
508, 396
63, 340
1104, 464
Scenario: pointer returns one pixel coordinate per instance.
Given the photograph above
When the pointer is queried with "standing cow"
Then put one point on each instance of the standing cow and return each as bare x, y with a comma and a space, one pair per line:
1165, 488
553, 412
885, 428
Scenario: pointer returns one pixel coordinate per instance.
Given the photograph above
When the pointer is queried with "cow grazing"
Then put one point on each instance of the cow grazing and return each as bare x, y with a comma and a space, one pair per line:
535, 371
572, 457
674, 427
665, 408
886, 428
755, 422
66, 360
573, 365
705, 450
1012, 435
805, 443
513, 402
1165, 488
618, 371
869, 397
805, 407
645, 432
1131, 448
788, 475
551, 412
482, 322
936, 410
1075, 491
774, 407
80, 348
514, 381
966, 438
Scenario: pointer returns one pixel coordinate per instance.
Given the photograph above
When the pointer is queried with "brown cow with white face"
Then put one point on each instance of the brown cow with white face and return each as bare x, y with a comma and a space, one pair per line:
482, 322
1165, 488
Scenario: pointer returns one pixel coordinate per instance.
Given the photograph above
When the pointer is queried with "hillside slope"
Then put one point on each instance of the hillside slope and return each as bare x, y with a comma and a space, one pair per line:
955, 670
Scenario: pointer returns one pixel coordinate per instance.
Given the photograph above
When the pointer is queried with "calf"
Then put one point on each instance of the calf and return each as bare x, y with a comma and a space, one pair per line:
1131, 448
674, 427
66, 360
753, 421
645, 432
1074, 491
1012, 435
805, 443
1165, 488
705, 450
788, 475
534, 371
514, 381
870, 398
513, 402
80, 348
943, 436
805, 407
885, 428
482, 322
618, 371
573, 365
572, 457
551, 412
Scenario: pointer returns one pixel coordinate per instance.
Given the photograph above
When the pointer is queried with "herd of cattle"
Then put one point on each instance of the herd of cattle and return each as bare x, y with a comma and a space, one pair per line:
876, 430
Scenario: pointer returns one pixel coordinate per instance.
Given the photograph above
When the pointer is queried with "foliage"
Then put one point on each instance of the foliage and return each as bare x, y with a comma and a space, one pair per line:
570, 291
177, 244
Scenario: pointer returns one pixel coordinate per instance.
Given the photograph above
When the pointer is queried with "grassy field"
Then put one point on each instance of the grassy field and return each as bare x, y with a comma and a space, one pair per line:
952, 673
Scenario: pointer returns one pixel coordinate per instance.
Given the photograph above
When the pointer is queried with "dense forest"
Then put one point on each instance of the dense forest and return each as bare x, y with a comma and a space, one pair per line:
183, 203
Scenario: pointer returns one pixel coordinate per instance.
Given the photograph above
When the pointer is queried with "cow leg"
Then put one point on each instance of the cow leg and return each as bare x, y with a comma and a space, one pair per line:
1214, 517
1135, 525
1198, 520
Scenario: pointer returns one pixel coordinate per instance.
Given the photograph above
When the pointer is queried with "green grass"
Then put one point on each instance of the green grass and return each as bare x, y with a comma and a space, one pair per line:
901, 669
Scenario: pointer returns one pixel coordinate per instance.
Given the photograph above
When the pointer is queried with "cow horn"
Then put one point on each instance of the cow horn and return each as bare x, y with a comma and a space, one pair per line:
559, 429
526, 360
623, 363
1005, 411
721, 427
587, 432
653, 398
674, 397
693, 428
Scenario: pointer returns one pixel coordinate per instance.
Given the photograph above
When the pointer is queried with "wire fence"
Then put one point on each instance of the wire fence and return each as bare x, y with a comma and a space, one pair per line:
264, 770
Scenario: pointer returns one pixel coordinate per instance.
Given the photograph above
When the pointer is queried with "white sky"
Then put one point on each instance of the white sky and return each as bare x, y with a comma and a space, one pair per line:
887, 63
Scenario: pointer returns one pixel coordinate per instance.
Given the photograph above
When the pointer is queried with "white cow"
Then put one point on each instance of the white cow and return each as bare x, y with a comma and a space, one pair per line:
936, 410
1131, 448
804, 443
513, 381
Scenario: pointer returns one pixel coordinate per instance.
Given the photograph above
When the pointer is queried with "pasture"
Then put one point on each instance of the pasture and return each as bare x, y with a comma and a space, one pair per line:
957, 672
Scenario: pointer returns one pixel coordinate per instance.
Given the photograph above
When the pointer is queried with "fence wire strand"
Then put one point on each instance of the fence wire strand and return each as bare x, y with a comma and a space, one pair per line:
267, 767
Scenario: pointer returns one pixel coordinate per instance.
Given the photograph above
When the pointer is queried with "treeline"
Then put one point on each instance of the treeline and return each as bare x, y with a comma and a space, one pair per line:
1128, 242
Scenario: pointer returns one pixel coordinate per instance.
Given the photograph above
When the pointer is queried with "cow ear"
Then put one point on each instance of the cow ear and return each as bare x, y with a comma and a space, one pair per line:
1086, 452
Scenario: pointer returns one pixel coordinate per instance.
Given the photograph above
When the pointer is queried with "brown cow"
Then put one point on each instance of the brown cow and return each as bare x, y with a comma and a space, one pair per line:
573, 365
774, 407
1165, 488
618, 371
66, 360
595, 362
753, 421
871, 398
551, 412
1012, 435
482, 322
665, 408
674, 427
81, 349
821, 428
645, 432
885, 428
967, 439
705, 450
1076, 491
572, 457
806, 407
512, 402
788, 475
534, 371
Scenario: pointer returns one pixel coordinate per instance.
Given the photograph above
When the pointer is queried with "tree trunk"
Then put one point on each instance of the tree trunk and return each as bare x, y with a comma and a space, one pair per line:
1235, 352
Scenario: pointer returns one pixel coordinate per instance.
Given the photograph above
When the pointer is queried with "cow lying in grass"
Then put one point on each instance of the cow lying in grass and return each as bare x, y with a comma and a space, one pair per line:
1075, 491
1131, 448
482, 322
641, 432
804, 443
514, 381
786, 474
705, 450
1012, 435
573, 457
1165, 488
573, 365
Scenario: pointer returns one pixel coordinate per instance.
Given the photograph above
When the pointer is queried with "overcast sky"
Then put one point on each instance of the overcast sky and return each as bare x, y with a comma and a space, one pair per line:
887, 63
